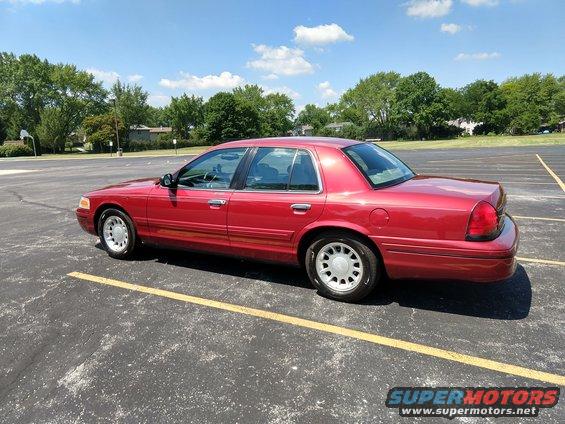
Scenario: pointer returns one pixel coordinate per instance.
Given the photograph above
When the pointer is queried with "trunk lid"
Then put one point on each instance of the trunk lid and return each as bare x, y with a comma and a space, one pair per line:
475, 190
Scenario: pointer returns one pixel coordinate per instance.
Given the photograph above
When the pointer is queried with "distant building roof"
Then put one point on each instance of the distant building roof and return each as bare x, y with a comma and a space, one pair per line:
151, 129
160, 130
338, 124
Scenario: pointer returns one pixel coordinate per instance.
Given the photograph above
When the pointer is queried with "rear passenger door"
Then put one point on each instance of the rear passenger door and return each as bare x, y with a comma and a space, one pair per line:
281, 193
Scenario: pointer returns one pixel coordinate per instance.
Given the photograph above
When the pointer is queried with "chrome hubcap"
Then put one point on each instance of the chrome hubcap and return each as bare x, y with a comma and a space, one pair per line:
339, 266
116, 234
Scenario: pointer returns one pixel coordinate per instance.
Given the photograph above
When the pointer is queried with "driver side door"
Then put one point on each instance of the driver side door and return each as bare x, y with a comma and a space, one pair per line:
194, 213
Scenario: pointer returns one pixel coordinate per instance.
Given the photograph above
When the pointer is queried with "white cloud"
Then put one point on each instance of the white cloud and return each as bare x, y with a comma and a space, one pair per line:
270, 77
326, 91
282, 90
481, 2
187, 81
158, 99
280, 61
428, 8
107, 77
24, 2
320, 35
135, 78
450, 28
477, 56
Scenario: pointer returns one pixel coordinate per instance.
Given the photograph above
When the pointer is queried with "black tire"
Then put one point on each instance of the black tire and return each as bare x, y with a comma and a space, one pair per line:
370, 262
131, 235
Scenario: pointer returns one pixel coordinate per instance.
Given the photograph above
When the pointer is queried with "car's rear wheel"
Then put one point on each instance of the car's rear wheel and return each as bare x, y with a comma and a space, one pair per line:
117, 233
342, 266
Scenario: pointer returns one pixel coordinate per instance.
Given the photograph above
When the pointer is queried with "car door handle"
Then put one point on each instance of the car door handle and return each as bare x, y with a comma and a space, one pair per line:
216, 202
301, 206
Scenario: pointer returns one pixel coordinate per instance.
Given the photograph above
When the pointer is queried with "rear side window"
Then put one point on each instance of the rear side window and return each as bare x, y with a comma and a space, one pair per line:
380, 168
304, 176
270, 169
282, 169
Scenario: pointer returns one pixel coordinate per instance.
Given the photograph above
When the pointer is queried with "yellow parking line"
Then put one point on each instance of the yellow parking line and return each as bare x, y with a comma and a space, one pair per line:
553, 174
540, 261
334, 329
539, 218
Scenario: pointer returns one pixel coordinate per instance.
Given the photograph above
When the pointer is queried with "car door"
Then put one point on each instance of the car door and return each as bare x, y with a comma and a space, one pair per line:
281, 193
193, 214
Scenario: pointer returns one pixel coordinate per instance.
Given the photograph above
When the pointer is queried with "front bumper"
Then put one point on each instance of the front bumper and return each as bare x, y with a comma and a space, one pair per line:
85, 220
487, 261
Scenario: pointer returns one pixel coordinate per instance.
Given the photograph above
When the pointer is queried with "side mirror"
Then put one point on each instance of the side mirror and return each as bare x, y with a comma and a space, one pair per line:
168, 181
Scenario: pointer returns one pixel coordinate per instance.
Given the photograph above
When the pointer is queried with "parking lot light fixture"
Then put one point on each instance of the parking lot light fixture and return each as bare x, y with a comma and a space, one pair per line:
175, 144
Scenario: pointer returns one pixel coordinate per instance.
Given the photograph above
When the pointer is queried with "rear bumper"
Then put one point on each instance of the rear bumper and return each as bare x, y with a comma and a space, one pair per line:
486, 261
85, 220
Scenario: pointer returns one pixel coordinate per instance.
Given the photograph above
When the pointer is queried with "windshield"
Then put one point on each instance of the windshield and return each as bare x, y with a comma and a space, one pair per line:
380, 167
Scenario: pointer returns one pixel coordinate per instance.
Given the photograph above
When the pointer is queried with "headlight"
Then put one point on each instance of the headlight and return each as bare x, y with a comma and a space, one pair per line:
84, 203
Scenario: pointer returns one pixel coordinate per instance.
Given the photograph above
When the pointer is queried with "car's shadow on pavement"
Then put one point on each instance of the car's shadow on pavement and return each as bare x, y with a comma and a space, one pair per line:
508, 300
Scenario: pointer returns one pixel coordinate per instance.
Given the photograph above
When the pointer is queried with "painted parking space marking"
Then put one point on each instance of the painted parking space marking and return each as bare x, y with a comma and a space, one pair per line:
539, 218
334, 329
15, 171
540, 261
553, 174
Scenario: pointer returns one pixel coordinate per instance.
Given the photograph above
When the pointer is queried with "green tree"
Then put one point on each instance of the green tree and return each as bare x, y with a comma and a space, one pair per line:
315, 116
130, 102
52, 129
101, 129
370, 103
185, 113
277, 115
158, 117
421, 104
483, 102
531, 100
229, 118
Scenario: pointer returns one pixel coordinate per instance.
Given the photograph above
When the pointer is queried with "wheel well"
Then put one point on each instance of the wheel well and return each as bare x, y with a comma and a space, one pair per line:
310, 235
101, 209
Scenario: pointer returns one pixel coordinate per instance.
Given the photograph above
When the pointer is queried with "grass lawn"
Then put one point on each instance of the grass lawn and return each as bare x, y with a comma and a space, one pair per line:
466, 142
478, 142
169, 152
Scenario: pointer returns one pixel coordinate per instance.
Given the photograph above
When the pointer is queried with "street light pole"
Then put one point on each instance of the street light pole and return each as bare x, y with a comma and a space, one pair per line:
116, 123
175, 144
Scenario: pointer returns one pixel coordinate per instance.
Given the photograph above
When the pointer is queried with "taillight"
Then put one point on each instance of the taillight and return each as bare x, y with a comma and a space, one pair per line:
483, 223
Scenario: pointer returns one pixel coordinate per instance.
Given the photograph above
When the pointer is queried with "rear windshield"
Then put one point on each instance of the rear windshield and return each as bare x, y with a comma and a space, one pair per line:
380, 167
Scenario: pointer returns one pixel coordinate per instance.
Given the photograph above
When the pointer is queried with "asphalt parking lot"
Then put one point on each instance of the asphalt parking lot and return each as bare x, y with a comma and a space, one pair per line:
76, 350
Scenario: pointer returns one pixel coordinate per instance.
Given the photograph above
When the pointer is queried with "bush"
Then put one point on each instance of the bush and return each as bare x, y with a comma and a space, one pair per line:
13, 150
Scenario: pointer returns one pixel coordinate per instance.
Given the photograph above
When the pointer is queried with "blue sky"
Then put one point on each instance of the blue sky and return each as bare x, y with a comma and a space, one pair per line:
312, 50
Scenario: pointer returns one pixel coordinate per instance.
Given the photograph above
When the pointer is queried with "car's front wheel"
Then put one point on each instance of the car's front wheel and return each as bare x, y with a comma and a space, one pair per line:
342, 266
117, 233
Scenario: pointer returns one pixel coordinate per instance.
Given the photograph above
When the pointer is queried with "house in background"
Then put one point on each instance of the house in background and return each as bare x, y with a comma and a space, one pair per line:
466, 126
302, 130
145, 133
338, 126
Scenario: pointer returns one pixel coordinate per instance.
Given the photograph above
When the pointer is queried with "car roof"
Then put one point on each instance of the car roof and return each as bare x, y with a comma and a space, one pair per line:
336, 143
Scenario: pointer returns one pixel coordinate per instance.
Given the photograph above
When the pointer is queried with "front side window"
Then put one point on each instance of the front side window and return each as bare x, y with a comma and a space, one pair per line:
214, 170
379, 167
270, 169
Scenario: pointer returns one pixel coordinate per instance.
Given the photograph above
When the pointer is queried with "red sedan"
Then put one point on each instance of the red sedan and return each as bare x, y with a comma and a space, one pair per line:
350, 212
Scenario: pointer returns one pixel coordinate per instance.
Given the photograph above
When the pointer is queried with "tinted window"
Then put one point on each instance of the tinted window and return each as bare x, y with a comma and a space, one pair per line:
270, 169
304, 176
214, 170
380, 167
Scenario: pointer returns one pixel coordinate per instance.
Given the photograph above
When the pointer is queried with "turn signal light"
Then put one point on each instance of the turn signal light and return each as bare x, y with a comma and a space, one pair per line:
483, 223
84, 203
